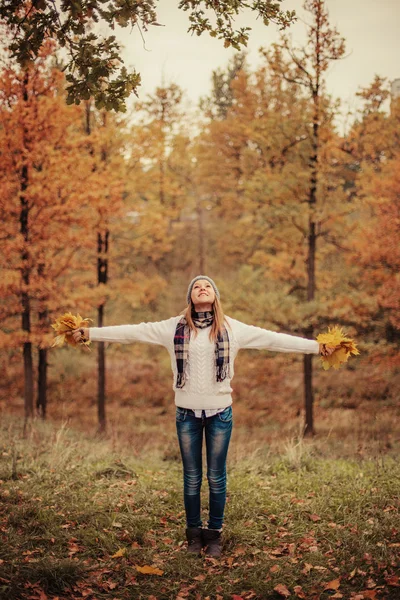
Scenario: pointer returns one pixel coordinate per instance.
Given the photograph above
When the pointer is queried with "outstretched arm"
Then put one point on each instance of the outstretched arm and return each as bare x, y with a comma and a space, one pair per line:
160, 332
255, 337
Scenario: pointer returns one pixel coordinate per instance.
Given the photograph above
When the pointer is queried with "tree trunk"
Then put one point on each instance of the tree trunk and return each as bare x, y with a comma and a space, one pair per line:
101, 377
41, 403
202, 236
25, 273
312, 239
308, 392
102, 277
308, 363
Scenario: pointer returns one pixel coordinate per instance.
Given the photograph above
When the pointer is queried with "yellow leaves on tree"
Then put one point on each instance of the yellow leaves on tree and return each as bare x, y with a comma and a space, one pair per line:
345, 346
66, 323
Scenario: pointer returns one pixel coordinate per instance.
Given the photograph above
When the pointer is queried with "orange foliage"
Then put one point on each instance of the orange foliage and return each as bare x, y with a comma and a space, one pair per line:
42, 190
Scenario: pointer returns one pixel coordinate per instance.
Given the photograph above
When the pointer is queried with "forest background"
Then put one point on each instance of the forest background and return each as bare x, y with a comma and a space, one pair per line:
111, 215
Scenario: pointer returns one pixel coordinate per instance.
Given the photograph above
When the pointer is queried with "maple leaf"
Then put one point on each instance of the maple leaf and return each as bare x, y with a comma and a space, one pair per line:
147, 570
66, 323
274, 568
369, 594
393, 580
332, 585
314, 517
121, 552
282, 590
299, 592
344, 347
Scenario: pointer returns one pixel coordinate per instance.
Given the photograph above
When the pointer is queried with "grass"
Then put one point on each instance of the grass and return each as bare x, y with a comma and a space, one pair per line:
78, 516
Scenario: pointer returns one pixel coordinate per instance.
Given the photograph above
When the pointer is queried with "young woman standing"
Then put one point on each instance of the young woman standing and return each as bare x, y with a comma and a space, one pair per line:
203, 344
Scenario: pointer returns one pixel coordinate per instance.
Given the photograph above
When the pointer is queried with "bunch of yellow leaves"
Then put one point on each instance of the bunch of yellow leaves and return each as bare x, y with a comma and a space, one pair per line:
65, 324
344, 346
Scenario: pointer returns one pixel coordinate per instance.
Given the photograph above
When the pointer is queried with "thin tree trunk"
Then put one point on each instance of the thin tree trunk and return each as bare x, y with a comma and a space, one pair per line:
102, 277
311, 284
308, 358
101, 377
202, 236
41, 403
25, 273
41, 400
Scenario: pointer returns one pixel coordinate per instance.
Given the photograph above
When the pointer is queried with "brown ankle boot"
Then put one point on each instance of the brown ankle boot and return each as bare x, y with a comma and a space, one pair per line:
195, 540
213, 542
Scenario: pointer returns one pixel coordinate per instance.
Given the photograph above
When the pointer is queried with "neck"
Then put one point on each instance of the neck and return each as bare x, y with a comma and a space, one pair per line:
203, 307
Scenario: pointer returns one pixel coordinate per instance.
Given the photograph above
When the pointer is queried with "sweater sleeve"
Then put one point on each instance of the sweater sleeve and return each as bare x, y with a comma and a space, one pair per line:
160, 332
249, 336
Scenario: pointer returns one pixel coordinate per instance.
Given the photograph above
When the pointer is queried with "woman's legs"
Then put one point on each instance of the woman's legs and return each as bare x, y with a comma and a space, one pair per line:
190, 436
218, 434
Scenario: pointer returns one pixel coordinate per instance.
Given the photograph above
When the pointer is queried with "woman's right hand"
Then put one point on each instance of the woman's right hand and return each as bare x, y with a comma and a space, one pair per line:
80, 334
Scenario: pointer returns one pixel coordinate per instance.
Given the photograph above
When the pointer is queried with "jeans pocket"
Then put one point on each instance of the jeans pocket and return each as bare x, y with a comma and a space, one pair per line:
226, 415
181, 413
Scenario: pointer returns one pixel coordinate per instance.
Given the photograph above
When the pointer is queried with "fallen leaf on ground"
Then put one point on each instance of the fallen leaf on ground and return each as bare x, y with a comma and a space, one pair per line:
332, 585
147, 570
315, 517
393, 580
307, 568
369, 594
298, 590
282, 590
353, 573
119, 553
274, 568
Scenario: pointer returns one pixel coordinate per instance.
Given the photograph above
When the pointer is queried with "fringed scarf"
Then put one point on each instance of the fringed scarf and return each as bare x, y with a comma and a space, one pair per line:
181, 345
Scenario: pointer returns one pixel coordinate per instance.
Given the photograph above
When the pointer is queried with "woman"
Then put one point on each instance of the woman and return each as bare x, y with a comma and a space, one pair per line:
203, 344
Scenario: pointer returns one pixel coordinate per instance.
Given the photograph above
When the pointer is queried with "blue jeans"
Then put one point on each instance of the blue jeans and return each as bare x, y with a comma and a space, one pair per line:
218, 429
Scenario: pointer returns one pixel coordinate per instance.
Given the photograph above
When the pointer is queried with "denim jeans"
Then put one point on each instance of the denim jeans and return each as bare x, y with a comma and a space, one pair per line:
217, 429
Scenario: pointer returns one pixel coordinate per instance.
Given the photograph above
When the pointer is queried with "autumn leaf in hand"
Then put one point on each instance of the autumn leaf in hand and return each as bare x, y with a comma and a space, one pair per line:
344, 347
66, 323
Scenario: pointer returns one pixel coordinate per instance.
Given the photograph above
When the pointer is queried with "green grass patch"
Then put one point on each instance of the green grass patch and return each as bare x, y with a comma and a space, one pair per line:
77, 519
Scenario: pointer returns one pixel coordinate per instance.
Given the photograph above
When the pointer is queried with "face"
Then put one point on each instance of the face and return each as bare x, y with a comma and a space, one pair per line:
202, 293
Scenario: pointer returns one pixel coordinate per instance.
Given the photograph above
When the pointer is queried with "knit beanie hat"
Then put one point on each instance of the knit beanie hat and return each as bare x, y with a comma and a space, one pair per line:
191, 284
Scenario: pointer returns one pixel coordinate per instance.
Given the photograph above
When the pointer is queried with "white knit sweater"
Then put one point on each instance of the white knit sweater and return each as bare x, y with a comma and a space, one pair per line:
201, 389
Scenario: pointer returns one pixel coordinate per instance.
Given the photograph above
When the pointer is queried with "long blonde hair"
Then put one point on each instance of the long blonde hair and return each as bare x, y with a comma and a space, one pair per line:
218, 323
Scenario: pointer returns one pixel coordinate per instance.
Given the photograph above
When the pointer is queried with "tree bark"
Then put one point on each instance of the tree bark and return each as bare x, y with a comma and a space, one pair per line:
202, 236
312, 238
102, 277
101, 378
41, 403
25, 276
308, 362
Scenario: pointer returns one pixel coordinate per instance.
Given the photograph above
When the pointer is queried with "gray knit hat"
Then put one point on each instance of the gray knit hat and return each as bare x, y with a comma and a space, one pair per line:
191, 284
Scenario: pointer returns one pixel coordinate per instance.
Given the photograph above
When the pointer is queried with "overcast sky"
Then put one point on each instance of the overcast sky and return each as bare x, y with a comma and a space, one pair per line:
371, 29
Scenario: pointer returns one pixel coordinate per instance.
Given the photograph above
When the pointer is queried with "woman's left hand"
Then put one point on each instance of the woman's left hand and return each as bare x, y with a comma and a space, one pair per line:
326, 351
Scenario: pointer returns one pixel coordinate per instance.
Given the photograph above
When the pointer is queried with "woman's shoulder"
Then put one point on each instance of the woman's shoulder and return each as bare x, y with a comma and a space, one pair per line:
172, 321
233, 324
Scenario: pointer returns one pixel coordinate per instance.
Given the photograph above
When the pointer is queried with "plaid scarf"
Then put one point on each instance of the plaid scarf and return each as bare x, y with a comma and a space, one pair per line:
181, 345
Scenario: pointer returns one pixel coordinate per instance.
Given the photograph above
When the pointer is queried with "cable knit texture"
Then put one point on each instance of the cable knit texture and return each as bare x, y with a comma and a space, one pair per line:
201, 389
